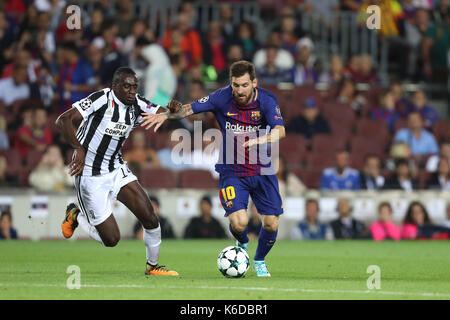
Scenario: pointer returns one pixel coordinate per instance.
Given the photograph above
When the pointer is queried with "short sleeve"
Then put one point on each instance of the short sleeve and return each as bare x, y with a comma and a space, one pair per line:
145, 106
91, 103
207, 103
272, 112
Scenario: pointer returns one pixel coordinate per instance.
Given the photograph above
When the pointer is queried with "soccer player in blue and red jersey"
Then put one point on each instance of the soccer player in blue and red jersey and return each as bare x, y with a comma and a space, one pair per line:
250, 122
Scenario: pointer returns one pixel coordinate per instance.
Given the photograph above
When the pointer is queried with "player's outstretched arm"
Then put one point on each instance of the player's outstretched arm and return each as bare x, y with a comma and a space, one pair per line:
277, 133
67, 123
150, 119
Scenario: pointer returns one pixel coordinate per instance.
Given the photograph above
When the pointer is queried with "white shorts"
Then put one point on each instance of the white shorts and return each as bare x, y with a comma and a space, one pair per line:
96, 193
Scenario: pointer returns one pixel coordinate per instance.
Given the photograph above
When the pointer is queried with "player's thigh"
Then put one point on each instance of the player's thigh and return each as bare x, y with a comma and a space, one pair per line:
233, 194
238, 220
134, 197
266, 196
109, 231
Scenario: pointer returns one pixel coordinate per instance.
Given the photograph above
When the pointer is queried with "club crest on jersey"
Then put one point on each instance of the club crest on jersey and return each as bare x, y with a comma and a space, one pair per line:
85, 103
229, 204
255, 115
204, 99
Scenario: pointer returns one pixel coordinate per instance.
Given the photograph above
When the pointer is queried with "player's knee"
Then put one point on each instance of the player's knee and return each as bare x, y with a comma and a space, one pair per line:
151, 221
111, 241
271, 226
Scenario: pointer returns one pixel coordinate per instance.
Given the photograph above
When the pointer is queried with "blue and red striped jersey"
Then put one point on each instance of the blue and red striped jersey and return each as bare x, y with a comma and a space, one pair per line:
239, 124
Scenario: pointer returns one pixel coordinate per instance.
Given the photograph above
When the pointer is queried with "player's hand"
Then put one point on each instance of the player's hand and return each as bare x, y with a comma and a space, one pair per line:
174, 106
151, 120
77, 164
250, 143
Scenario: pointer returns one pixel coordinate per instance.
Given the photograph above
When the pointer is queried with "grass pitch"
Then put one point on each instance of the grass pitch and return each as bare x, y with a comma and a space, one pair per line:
300, 270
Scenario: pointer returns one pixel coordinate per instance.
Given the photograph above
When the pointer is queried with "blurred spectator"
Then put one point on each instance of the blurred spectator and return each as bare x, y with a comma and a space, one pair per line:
109, 43
304, 72
27, 138
226, 21
386, 110
4, 139
245, 37
14, 90
190, 41
125, 17
420, 140
401, 150
269, 73
324, 8
7, 231
51, 174
370, 175
417, 224
400, 99
254, 223
419, 104
95, 27
160, 79
76, 78
435, 48
206, 158
441, 11
415, 31
22, 58
311, 228
391, 16
234, 54
347, 93
284, 59
365, 73
341, 177
347, 227
205, 226
384, 228
335, 74
164, 223
444, 152
46, 87
139, 156
351, 5
446, 222
402, 179
214, 47
168, 158
288, 34
6, 179
310, 122
140, 30
439, 180
289, 184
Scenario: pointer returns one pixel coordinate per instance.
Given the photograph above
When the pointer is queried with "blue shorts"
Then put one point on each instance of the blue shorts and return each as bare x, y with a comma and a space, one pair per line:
234, 193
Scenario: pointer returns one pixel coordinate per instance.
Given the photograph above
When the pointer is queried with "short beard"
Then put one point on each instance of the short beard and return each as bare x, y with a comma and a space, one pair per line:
246, 101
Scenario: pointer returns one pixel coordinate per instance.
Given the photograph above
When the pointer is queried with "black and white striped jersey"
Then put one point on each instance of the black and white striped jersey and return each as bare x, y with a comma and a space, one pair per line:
106, 125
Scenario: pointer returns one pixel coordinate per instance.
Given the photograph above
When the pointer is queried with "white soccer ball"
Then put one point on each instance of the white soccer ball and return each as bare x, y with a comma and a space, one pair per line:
233, 262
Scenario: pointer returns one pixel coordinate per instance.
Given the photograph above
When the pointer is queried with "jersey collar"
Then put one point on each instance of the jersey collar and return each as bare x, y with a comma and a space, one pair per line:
116, 101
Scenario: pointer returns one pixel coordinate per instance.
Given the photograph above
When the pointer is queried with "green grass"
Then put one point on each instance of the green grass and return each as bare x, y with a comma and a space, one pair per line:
300, 270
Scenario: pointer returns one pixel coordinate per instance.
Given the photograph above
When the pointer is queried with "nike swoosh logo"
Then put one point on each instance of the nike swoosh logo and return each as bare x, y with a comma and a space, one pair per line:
232, 114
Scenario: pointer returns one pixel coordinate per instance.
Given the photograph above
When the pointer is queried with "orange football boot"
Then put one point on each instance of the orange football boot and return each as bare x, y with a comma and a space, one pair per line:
158, 270
70, 222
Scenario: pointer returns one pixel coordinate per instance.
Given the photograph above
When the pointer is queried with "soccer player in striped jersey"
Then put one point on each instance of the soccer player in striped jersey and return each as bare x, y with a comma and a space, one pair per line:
250, 119
97, 127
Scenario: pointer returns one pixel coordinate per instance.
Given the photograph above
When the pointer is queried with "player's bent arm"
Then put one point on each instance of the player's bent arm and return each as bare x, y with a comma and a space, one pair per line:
67, 123
277, 133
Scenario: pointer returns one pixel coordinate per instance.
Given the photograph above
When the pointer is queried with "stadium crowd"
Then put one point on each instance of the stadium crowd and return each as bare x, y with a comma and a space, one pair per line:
346, 129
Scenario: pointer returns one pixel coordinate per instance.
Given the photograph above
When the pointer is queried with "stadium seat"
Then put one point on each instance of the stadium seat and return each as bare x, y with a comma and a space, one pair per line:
364, 145
158, 178
400, 124
300, 94
13, 160
33, 158
197, 179
373, 128
328, 143
293, 149
341, 112
441, 130
423, 178
320, 161
337, 129
310, 177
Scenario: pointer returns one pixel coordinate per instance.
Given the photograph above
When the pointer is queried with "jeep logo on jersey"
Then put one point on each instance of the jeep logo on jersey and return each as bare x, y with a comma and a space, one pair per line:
85, 103
237, 128
117, 129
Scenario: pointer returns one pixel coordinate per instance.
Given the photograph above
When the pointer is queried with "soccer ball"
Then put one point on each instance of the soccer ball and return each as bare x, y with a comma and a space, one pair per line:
233, 262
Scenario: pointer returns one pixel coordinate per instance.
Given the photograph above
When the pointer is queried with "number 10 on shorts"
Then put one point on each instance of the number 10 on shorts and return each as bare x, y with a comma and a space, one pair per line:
228, 194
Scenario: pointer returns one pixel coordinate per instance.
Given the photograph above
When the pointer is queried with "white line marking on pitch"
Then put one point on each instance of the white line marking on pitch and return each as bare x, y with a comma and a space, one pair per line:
399, 293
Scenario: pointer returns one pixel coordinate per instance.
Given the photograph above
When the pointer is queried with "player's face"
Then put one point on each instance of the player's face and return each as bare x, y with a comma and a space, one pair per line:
242, 88
126, 89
